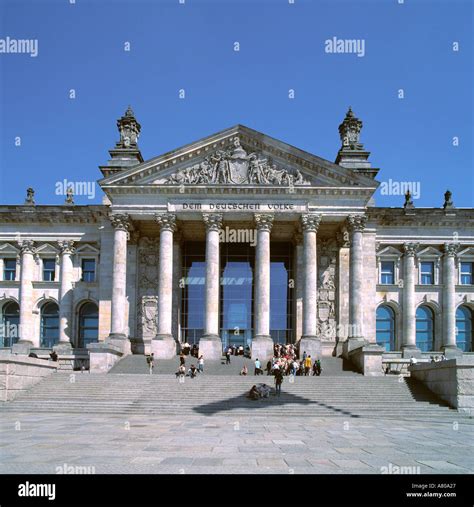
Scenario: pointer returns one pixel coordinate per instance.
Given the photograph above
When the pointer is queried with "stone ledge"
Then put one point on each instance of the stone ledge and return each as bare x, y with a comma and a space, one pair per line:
452, 380
18, 373
103, 356
368, 359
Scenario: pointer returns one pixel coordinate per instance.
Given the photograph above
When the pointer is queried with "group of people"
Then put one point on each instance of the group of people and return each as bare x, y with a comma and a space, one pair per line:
289, 364
192, 371
233, 350
187, 350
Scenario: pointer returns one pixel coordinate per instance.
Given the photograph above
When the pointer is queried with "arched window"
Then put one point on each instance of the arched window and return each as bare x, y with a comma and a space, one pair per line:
88, 324
464, 328
49, 325
10, 324
425, 328
385, 330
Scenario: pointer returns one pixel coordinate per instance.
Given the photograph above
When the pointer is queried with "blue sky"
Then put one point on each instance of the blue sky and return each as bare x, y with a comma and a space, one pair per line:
174, 46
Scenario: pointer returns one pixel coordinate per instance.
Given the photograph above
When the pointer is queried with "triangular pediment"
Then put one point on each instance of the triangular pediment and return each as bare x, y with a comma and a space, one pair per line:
237, 157
9, 249
87, 249
389, 251
467, 252
429, 252
47, 249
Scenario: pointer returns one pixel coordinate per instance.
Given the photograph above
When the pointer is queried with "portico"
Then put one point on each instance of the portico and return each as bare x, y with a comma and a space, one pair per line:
239, 239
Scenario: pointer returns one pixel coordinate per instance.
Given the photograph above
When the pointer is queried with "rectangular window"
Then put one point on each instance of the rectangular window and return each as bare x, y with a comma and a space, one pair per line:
88, 270
387, 272
466, 273
49, 268
9, 269
427, 273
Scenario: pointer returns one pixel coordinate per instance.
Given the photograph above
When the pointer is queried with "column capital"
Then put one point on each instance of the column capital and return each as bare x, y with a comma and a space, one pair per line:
66, 247
27, 246
166, 221
120, 222
410, 249
264, 221
356, 223
310, 222
213, 221
450, 249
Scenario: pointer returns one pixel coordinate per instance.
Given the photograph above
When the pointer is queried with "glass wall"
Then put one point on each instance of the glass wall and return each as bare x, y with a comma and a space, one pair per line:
193, 295
237, 272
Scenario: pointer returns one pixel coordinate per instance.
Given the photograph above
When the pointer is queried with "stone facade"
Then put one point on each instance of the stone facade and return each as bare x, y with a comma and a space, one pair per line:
240, 179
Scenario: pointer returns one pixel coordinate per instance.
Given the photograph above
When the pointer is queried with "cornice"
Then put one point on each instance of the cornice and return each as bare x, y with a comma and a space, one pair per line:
52, 214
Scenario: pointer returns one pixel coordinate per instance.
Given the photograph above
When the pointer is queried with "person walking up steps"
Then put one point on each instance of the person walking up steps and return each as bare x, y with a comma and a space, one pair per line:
307, 366
201, 364
278, 381
151, 362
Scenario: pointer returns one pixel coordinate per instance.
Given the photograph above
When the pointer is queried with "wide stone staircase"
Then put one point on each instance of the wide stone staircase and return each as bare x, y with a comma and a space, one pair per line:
336, 393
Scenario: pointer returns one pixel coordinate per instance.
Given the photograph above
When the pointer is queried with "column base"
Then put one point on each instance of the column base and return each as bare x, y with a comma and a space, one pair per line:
121, 341
311, 345
163, 346
352, 343
410, 351
210, 346
451, 351
262, 347
22, 347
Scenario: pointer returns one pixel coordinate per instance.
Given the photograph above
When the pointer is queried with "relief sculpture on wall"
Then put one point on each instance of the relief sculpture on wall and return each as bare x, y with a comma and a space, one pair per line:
147, 310
236, 166
327, 269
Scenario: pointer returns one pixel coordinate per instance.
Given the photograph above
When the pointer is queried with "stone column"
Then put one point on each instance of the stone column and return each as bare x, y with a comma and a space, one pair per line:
164, 345
119, 332
409, 348
27, 336
298, 290
356, 226
449, 346
210, 344
262, 343
310, 342
65, 295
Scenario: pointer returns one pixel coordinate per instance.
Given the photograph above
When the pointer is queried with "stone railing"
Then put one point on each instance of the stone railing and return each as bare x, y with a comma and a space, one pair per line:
18, 373
452, 380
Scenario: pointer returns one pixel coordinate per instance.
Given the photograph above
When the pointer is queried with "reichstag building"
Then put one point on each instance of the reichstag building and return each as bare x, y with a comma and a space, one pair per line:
241, 239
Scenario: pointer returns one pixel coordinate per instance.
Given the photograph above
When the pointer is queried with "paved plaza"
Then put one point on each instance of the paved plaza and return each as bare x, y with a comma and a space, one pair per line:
40, 443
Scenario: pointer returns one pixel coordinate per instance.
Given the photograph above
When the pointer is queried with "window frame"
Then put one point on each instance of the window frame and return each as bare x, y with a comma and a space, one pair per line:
432, 273
4, 271
53, 271
85, 259
389, 254
461, 262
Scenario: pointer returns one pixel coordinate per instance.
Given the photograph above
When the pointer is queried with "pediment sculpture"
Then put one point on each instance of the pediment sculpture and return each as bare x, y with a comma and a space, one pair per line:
235, 166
